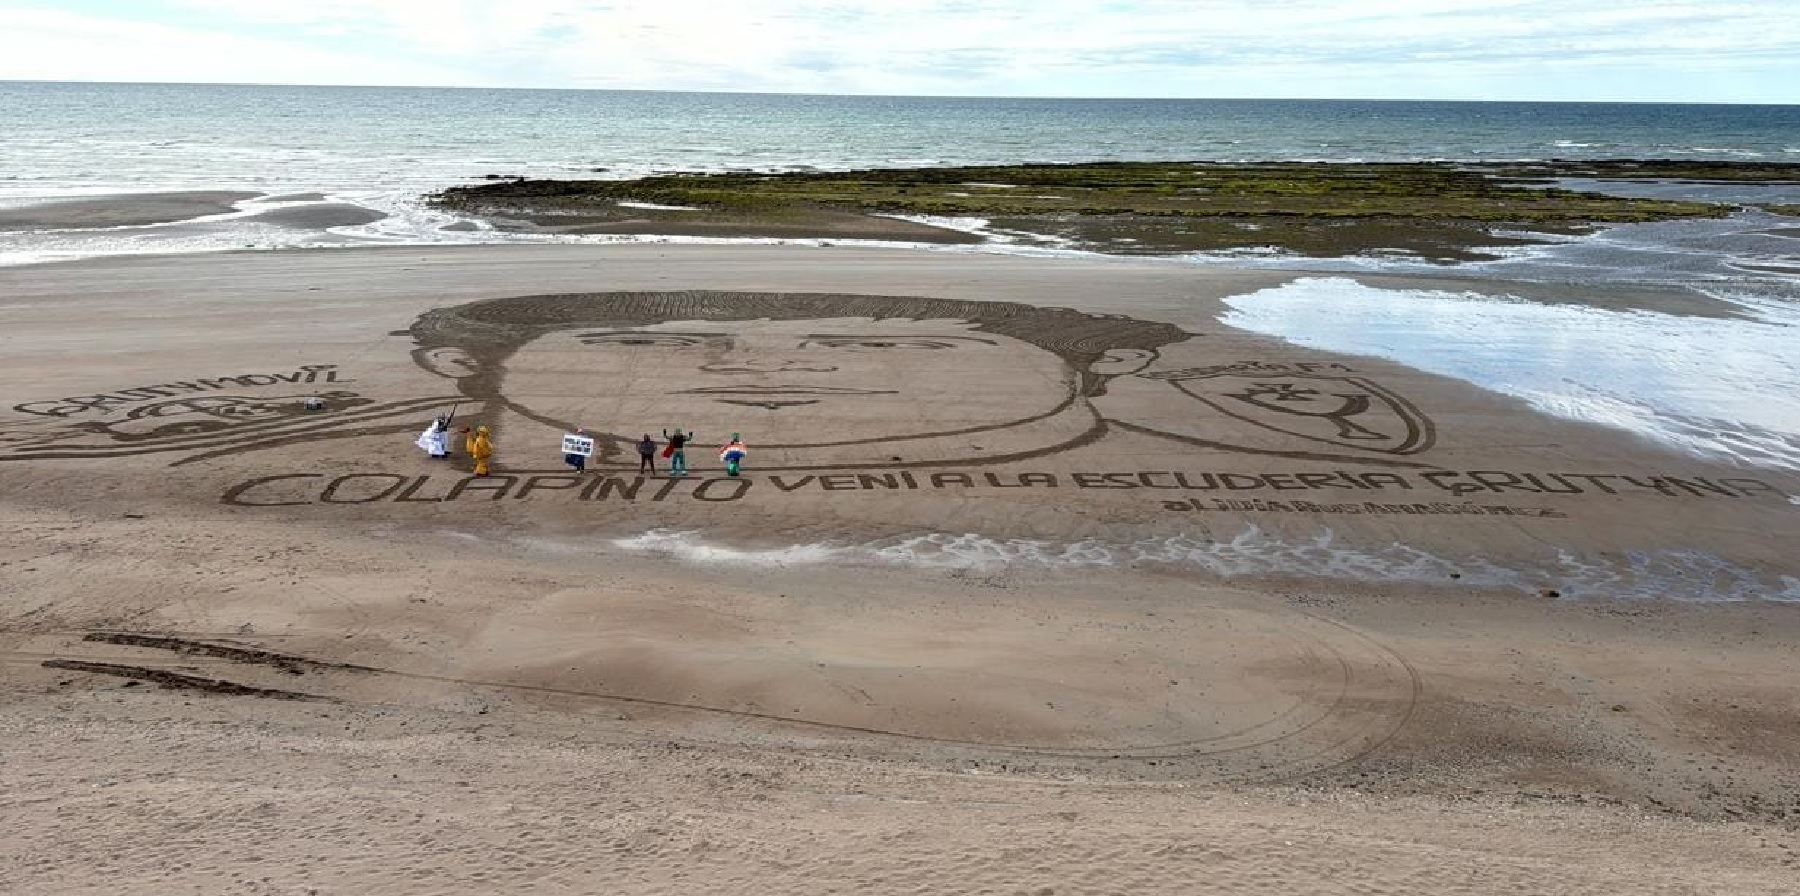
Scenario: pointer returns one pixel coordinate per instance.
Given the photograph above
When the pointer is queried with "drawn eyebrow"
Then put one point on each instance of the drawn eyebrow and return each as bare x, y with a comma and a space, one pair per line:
651, 333
893, 337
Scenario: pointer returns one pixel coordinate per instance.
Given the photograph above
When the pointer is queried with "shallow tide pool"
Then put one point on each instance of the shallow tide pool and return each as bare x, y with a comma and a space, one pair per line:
1722, 388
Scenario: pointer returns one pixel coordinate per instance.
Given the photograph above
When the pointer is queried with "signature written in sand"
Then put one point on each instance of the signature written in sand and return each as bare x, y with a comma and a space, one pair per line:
1364, 508
1425, 488
106, 401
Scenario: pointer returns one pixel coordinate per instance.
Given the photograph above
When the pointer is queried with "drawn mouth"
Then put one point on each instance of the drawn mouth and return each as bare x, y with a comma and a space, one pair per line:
784, 390
769, 405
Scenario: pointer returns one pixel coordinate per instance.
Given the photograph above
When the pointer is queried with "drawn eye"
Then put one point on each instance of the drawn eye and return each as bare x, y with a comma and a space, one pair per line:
642, 340
876, 343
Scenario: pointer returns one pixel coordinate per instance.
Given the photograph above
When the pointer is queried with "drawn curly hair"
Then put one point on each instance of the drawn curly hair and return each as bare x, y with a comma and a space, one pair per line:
492, 329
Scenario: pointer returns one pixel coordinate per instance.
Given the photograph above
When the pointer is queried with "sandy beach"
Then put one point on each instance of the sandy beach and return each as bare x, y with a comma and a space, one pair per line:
1039, 579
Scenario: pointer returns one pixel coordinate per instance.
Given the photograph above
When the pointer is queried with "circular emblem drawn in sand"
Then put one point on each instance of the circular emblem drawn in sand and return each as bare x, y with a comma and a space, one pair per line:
1341, 411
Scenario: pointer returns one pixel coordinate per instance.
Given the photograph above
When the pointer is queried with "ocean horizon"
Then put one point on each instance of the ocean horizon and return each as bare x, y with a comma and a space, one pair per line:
69, 138
385, 148
967, 96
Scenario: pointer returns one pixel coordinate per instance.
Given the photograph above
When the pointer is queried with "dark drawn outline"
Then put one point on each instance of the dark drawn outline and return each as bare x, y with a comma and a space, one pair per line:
1421, 433
491, 330
286, 430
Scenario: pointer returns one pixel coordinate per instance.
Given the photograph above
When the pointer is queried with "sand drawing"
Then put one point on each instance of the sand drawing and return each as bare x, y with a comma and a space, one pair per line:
218, 425
825, 381
835, 381
177, 417
1343, 411
205, 417
859, 382
103, 402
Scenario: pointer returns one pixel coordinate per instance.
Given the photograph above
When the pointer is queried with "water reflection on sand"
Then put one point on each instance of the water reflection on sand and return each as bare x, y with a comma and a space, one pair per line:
1718, 387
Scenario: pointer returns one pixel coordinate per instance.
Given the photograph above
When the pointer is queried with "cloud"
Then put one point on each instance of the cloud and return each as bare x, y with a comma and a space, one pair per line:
1737, 49
51, 45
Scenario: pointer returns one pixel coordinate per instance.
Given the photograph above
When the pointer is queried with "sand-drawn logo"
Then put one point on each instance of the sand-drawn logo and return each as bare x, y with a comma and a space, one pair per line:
1343, 411
214, 414
196, 420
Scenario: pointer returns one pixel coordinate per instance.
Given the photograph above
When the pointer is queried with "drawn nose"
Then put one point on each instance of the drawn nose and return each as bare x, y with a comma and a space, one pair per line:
764, 365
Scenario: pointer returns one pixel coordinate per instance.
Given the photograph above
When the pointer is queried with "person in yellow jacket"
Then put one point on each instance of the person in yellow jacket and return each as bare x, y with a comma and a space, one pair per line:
480, 448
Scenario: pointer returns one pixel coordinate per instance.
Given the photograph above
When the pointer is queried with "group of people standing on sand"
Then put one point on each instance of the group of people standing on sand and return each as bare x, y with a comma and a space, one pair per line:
673, 449
480, 448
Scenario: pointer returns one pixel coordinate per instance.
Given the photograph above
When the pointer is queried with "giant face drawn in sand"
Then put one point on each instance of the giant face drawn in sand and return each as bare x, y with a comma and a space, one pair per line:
814, 380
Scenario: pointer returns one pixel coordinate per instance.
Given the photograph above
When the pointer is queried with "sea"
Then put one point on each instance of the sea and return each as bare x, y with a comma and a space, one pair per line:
1722, 386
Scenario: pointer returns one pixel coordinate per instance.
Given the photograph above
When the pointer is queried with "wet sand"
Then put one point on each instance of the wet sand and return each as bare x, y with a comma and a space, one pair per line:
989, 656
812, 224
320, 216
132, 210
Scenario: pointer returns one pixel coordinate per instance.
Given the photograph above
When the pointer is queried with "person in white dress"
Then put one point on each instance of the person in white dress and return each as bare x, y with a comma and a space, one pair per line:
436, 438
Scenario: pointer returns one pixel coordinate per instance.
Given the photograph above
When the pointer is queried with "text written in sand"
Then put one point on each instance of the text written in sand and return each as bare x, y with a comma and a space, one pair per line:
297, 489
102, 402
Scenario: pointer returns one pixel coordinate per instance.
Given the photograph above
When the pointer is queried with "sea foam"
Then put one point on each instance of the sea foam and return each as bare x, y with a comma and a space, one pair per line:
1692, 576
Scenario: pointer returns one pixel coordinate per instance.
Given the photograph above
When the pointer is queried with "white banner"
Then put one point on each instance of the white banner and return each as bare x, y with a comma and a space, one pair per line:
574, 444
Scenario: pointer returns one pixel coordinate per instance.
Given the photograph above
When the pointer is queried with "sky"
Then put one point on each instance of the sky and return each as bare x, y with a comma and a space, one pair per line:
1733, 51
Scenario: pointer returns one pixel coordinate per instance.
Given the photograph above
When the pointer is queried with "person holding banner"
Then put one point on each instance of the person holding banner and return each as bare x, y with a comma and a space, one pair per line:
577, 448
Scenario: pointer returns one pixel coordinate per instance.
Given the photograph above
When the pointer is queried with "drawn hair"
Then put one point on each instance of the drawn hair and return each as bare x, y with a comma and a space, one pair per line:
491, 329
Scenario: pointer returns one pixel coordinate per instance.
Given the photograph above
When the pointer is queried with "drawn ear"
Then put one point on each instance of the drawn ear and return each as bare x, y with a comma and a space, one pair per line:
448, 361
1122, 361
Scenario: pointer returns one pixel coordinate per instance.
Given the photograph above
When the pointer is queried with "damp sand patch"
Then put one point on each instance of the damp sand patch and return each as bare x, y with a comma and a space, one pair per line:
319, 216
627, 219
131, 210
657, 207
